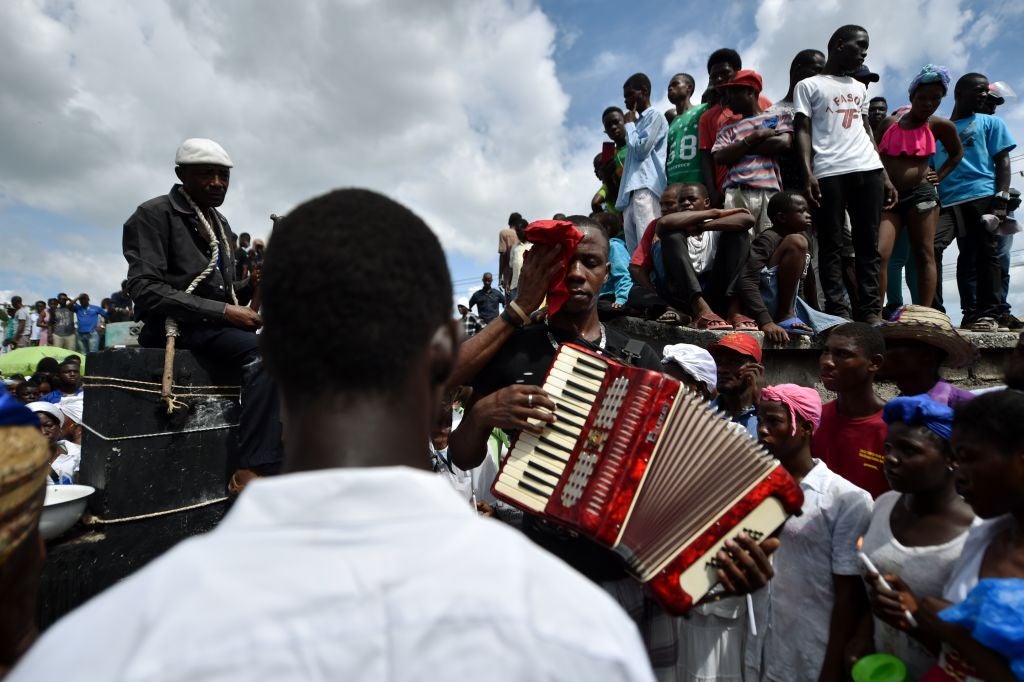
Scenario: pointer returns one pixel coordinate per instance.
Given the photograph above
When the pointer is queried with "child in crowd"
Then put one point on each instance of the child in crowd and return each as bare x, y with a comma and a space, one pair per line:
917, 529
851, 439
918, 341
779, 259
988, 454
808, 612
749, 147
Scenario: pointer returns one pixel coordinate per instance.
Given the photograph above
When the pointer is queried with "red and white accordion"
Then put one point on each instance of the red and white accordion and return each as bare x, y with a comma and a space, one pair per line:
639, 464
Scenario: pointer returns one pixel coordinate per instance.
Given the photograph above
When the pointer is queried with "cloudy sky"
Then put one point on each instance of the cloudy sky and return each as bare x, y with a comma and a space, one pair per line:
465, 110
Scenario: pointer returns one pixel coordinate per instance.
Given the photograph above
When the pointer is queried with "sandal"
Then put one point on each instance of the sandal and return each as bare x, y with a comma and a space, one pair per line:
791, 327
712, 323
673, 317
984, 324
742, 323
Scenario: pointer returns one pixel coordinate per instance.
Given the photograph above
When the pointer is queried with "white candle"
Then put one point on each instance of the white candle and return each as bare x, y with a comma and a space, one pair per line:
881, 579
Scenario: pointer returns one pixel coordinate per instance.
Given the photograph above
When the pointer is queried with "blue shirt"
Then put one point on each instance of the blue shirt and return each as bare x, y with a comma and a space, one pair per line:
747, 418
88, 317
56, 395
984, 137
619, 281
645, 156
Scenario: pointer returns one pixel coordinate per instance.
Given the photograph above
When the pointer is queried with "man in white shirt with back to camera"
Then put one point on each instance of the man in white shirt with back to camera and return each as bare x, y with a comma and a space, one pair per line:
357, 563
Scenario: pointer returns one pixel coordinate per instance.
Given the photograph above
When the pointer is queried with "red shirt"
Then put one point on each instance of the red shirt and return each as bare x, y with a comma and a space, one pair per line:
642, 255
713, 120
853, 448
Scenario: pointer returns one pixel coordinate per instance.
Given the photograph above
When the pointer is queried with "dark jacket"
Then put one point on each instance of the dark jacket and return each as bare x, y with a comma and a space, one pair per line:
166, 248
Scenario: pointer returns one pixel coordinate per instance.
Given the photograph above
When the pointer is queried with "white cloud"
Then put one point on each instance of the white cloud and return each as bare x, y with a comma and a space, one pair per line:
689, 54
452, 108
904, 36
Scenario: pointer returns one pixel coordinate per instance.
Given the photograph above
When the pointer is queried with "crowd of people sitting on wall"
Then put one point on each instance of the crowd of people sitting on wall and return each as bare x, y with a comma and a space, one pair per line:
736, 215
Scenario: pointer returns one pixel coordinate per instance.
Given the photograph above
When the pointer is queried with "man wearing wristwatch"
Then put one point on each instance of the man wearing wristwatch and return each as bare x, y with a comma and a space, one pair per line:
978, 186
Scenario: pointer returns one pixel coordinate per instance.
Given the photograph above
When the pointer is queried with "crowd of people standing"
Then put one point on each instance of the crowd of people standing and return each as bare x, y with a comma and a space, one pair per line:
738, 215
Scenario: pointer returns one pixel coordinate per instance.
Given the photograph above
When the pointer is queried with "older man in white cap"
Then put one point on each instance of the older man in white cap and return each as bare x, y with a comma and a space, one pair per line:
179, 250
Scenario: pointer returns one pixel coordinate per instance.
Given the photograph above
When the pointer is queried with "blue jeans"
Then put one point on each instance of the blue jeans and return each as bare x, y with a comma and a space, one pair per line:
814, 319
88, 342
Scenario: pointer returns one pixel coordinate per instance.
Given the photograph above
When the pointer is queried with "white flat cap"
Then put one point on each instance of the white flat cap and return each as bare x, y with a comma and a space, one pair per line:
695, 361
197, 150
49, 408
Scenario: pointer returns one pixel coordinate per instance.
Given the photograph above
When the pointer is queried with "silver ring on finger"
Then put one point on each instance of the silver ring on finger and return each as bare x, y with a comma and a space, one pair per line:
529, 400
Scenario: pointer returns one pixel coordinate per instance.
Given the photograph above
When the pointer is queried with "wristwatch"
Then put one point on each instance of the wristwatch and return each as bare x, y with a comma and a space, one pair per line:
1004, 195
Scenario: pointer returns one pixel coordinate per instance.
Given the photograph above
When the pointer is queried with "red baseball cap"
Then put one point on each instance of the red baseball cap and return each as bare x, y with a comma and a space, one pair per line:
744, 344
746, 78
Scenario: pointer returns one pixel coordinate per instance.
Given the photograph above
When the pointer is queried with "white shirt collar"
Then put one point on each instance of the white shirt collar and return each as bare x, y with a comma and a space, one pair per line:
343, 496
817, 477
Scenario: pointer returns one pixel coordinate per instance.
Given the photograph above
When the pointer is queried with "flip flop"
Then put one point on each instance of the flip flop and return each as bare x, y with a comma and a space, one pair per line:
673, 317
712, 323
742, 323
791, 328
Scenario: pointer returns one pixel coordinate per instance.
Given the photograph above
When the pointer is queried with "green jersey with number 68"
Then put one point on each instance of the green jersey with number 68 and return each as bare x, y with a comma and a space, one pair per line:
683, 163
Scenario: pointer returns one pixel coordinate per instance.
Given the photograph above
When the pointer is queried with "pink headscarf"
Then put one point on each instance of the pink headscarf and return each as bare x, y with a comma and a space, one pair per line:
800, 401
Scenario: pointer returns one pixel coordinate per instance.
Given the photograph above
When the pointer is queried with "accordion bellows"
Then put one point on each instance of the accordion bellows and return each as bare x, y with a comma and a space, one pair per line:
642, 466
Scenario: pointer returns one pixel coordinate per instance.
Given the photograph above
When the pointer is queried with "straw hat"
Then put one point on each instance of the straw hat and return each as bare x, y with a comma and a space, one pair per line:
927, 325
23, 468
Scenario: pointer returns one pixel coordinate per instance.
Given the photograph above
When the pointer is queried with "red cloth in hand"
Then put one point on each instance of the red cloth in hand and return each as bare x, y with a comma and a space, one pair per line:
556, 232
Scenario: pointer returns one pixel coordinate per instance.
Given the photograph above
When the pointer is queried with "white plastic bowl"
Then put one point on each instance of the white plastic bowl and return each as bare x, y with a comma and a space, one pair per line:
62, 508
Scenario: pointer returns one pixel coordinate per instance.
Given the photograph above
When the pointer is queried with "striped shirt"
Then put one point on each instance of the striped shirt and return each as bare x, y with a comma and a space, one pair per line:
754, 171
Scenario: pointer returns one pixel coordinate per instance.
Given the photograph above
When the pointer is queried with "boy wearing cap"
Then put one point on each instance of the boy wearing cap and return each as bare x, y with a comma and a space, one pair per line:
918, 340
740, 375
749, 147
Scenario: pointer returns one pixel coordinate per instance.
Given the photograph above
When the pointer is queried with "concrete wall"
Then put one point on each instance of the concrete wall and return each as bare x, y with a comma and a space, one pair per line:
797, 362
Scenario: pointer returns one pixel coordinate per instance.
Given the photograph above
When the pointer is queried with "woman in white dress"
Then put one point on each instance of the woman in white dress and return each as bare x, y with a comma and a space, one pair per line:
988, 454
918, 528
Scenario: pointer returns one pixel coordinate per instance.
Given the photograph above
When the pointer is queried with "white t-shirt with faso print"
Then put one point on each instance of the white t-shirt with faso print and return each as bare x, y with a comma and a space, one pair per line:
835, 105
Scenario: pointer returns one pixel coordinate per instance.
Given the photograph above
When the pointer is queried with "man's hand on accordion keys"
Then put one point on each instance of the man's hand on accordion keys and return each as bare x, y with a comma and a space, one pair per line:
518, 407
744, 566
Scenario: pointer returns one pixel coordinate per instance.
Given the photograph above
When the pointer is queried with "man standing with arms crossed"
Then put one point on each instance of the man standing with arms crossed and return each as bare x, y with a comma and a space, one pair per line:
643, 176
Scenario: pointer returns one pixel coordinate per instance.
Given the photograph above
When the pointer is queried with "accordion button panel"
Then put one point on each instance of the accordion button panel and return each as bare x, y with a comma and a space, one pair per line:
702, 575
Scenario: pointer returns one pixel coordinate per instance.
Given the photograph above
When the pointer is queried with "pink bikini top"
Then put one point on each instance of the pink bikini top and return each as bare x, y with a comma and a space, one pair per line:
897, 141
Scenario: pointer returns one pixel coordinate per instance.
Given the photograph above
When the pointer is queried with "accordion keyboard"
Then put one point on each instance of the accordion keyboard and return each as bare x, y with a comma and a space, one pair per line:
533, 468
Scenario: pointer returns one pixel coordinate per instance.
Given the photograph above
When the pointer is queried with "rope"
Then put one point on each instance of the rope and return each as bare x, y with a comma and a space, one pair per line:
92, 377
160, 392
170, 324
219, 427
90, 520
